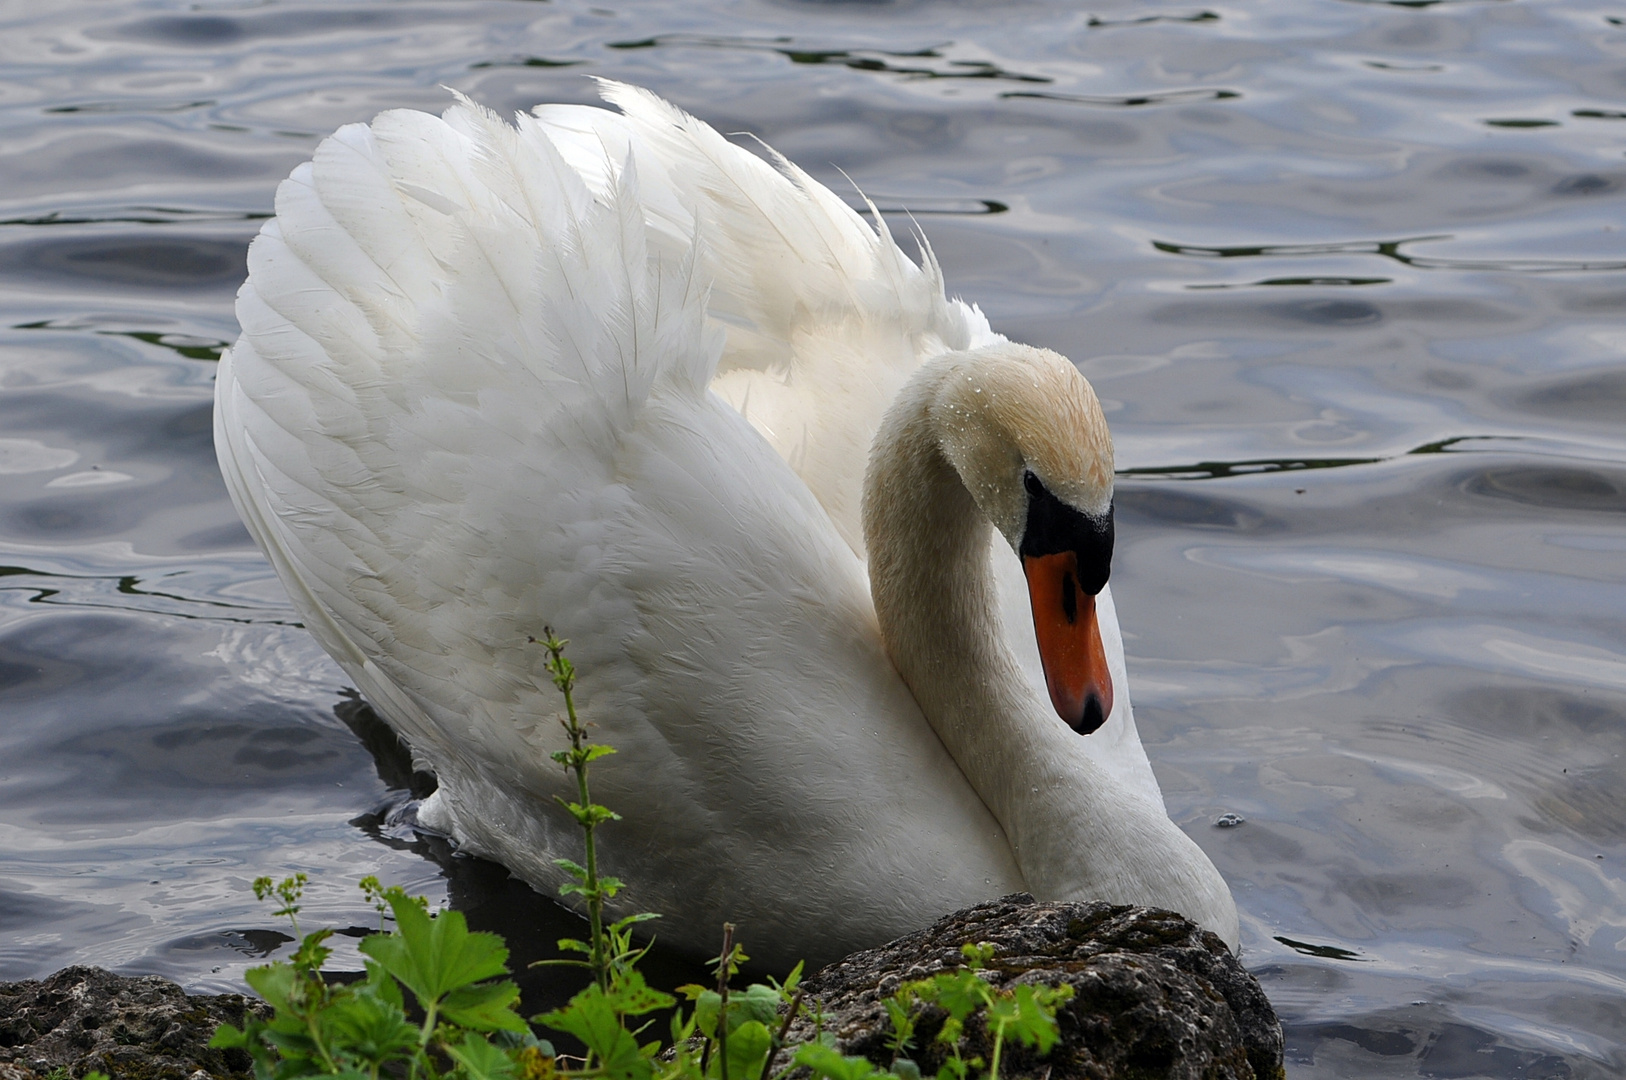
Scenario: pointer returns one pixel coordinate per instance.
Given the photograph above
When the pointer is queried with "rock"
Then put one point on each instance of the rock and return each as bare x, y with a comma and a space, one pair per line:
143, 1028
1155, 996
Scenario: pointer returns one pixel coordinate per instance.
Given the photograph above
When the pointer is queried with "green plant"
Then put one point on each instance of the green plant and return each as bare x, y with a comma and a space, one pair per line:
1026, 1013
362, 1029
609, 950
469, 1030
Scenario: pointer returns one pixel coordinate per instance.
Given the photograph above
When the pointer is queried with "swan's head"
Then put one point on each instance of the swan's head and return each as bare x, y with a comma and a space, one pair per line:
1025, 432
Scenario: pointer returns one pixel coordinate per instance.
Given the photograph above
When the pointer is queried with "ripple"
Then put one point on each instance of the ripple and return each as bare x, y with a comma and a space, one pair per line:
213, 31
1325, 952
190, 346
1388, 249
31, 455
1129, 101
1098, 23
1433, 1045
922, 205
1552, 488
877, 60
138, 215
132, 106
525, 61
1329, 281
1216, 470
1596, 397
1188, 510
151, 262
194, 593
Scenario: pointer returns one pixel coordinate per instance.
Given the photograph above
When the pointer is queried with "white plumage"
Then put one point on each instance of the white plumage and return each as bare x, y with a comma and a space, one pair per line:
610, 372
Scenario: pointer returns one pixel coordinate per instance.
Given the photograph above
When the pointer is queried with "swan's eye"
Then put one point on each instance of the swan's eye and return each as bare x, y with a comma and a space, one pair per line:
1031, 482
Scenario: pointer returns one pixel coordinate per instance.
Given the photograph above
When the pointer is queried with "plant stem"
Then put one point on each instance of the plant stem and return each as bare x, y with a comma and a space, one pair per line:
999, 1043
316, 1037
722, 992
429, 1018
595, 898
564, 677
784, 1029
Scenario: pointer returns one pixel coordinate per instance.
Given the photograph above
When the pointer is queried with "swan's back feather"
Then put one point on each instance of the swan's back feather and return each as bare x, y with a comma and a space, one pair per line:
826, 316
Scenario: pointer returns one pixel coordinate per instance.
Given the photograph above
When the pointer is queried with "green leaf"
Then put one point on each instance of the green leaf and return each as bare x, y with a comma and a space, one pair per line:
1029, 1014
432, 957
787, 989
487, 1007
383, 985
228, 1037
366, 1026
630, 996
979, 955
961, 993
479, 1060
592, 1018
278, 983
594, 751
312, 954
590, 815
903, 1023
756, 1002
707, 1004
748, 1046
825, 1061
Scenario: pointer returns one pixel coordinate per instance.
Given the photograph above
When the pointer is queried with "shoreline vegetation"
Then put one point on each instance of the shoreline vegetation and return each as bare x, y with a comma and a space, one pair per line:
1003, 989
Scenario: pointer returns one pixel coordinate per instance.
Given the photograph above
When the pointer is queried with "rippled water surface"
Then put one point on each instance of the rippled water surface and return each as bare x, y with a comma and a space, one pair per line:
1349, 277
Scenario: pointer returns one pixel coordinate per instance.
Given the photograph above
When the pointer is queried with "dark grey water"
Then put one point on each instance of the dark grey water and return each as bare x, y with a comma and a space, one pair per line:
1350, 278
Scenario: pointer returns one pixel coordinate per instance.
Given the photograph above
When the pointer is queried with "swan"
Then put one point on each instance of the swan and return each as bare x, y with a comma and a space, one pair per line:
832, 554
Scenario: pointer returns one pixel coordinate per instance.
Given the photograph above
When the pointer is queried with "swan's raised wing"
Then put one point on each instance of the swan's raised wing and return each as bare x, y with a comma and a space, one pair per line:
826, 316
421, 272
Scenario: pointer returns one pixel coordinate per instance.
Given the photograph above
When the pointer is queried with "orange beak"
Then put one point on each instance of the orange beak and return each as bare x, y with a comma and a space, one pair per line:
1075, 661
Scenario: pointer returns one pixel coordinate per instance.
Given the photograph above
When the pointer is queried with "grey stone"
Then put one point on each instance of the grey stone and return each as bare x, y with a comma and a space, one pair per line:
1155, 996
132, 1028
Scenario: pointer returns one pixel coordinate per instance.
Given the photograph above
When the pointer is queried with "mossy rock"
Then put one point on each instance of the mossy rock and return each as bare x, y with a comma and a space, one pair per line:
142, 1028
1155, 997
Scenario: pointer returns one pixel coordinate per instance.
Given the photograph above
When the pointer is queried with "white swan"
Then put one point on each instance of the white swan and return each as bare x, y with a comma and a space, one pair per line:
482, 387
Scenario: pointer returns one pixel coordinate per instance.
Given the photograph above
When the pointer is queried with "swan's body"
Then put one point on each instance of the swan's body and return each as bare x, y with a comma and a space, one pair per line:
482, 387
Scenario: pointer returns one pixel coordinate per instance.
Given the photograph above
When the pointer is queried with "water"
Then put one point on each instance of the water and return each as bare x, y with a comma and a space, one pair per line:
1348, 277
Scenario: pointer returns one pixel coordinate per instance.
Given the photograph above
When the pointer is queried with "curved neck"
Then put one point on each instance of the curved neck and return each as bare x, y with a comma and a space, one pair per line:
936, 602
1076, 832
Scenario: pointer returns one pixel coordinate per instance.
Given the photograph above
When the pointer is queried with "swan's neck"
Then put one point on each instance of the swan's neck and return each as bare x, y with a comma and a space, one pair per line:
935, 598
1075, 831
